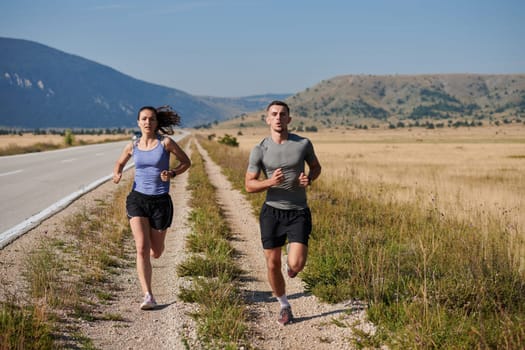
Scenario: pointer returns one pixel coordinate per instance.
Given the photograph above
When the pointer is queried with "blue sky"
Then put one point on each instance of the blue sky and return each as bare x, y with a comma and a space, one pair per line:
247, 47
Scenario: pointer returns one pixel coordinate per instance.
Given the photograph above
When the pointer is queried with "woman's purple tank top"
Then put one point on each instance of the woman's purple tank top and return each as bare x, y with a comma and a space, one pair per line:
148, 165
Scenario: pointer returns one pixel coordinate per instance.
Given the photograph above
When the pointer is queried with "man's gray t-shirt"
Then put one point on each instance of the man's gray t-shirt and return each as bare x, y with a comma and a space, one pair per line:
291, 155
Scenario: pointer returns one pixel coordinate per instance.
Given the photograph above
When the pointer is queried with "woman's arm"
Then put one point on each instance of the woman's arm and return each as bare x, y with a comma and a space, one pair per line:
184, 162
121, 163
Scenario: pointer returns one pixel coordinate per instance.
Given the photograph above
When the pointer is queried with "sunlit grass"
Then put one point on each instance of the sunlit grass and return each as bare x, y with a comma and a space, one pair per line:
24, 327
67, 277
221, 316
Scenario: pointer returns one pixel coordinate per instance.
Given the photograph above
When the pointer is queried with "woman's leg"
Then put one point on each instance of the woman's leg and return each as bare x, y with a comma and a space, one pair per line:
157, 242
141, 230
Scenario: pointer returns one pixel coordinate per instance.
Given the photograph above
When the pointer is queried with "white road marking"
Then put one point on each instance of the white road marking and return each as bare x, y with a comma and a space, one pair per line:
8, 236
12, 172
68, 160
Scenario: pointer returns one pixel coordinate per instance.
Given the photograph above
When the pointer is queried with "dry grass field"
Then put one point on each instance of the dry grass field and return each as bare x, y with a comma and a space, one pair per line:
472, 173
30, 139
425, 226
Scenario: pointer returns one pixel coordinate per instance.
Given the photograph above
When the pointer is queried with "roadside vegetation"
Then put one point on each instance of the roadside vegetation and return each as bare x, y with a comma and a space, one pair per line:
431, 281
221, 316
66, 277
22, 144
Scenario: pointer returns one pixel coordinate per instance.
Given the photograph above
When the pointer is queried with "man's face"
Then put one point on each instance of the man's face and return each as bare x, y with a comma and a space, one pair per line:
278, 118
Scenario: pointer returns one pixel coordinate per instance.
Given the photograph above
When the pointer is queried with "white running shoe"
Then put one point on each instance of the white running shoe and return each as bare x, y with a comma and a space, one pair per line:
149, 302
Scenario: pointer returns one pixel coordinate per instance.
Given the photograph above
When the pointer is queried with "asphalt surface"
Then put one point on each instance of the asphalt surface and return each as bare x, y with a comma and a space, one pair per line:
37, 185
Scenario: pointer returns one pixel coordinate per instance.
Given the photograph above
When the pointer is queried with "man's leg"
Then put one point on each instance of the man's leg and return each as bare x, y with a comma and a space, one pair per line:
275, 276
297, 254
276, 279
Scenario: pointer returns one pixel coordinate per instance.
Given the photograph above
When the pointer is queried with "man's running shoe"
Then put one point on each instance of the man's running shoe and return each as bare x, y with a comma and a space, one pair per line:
149, 302
285, 316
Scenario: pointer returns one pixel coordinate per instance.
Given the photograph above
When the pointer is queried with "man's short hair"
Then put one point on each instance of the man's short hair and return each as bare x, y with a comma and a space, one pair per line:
278, 103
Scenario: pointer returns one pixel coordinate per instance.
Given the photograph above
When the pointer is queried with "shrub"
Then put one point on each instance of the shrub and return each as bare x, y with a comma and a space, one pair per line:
229, 140
69, 138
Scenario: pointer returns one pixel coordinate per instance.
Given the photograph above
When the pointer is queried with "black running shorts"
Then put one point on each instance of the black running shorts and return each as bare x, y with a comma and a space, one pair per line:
158, 208
278, 225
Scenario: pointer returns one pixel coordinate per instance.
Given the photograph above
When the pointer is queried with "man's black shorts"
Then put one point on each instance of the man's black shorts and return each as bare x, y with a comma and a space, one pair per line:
277, 225
158, 208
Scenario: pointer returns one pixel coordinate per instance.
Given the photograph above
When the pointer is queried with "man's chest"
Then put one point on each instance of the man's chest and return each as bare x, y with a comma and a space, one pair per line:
283, 156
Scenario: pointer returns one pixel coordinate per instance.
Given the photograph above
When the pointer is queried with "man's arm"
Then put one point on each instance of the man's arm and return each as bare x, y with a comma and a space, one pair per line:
252, 183
315, 170
313, 173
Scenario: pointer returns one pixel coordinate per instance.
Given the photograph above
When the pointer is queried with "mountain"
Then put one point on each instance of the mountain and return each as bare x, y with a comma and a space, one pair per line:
403, 100
351, 99
41, 87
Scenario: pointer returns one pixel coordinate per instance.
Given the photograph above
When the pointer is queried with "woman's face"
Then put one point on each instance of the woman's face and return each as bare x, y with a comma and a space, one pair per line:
147, 121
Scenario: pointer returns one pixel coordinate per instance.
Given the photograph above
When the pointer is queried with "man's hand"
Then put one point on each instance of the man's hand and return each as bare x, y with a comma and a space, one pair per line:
304, 180
277, 177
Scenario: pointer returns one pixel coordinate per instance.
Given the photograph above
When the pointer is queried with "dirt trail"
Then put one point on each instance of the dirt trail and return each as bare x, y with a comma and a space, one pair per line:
313, 328
170, 326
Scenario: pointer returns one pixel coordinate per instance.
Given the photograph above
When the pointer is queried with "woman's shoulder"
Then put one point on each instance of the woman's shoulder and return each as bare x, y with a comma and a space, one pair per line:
167, 142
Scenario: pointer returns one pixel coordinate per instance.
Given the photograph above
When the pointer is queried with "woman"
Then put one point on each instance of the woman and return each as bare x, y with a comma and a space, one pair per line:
149, 206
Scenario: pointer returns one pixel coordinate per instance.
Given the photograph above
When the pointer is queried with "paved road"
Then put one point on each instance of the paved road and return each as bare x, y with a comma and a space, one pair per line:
35, 186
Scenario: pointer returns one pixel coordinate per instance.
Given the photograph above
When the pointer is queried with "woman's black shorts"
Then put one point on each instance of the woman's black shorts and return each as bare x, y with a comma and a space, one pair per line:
158, 208
277, 225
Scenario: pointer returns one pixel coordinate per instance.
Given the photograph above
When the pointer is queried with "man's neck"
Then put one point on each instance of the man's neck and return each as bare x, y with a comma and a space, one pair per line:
279, 137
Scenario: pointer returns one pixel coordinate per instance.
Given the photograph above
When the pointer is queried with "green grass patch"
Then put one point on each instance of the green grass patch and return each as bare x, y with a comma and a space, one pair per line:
221, 317
65, 277
24, 327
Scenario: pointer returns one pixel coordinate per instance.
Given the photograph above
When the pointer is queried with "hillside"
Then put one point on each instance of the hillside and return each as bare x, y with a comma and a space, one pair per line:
352, 100
41, 87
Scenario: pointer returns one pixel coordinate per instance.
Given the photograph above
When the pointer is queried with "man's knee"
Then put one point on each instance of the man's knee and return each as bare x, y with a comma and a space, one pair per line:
297, 255
273, 260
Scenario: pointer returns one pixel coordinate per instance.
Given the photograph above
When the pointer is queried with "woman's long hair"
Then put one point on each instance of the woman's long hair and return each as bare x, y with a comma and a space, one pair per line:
167, 118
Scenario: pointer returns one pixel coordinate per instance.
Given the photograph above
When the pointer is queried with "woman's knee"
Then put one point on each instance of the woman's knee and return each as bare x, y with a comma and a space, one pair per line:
143, 252
157, 252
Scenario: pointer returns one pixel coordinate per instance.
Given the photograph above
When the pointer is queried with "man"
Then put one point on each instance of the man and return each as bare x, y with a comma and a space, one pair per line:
285, 214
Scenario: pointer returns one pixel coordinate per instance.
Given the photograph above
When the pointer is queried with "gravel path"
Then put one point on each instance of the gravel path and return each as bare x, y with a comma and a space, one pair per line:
170, 326
313, 327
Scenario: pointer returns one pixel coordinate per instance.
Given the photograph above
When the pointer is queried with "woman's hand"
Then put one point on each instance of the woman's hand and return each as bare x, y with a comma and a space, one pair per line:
165, 175
117, 177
